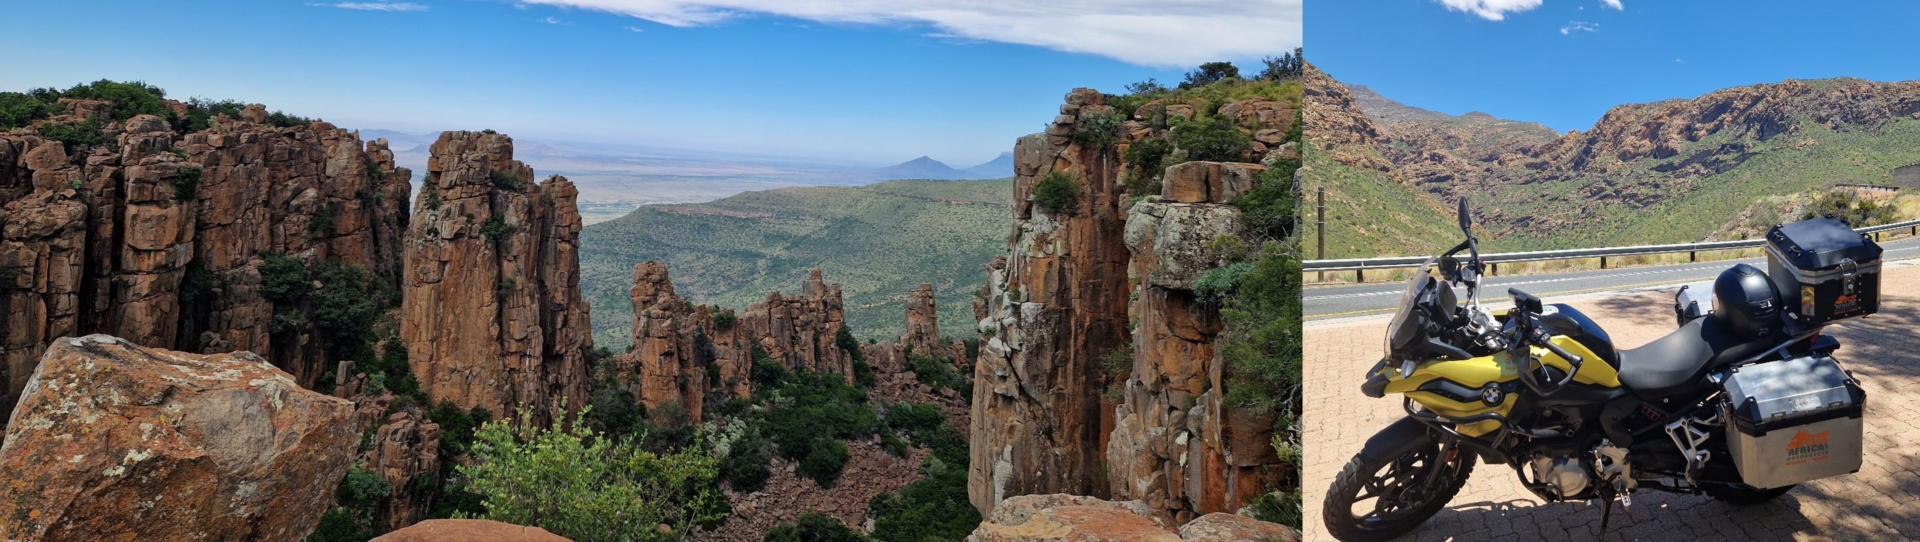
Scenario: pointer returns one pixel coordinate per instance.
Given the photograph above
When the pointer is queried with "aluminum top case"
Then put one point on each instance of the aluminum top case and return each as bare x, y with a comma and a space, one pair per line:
1823, 270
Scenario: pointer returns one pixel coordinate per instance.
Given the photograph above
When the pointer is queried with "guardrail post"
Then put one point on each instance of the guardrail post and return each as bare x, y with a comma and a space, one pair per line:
1493, 270
1693, 256
1360, 275
1320, 230
1603, 262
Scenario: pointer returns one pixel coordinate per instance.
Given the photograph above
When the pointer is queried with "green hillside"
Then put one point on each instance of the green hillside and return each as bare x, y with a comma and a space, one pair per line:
877, 241
1368, 214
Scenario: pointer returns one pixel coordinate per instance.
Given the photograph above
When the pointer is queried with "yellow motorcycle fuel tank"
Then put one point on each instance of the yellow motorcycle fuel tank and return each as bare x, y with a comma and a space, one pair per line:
1475, 374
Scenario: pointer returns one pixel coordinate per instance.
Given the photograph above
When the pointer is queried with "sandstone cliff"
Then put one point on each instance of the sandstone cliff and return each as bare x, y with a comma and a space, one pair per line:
158, 236
1061, 312
112, 441
491, 311
1177, 446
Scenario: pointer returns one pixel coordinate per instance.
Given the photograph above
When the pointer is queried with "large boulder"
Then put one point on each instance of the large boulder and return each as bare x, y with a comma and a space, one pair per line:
1070, 518
1173, 241
111, 441
469, 530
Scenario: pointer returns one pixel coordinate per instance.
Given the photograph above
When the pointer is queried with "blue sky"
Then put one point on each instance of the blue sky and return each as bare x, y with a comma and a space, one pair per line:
1563, 63
867, 81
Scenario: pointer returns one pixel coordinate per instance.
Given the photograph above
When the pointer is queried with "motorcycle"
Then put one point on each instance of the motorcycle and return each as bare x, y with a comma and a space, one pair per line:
1738, 405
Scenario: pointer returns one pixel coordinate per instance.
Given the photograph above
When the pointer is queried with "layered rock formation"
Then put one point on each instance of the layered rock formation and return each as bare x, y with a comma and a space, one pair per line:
869, 472
112, 441
1067, 518
406, 453
1057, 308
675, 341
923, 321
1177, 446
491, 312
157, 237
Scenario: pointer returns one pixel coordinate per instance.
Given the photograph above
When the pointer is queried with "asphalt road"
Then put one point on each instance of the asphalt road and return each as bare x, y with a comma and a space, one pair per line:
1369, 299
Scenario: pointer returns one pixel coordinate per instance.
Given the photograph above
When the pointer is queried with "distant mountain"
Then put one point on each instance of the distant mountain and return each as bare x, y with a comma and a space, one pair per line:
1671, 171
998, 168
922, 168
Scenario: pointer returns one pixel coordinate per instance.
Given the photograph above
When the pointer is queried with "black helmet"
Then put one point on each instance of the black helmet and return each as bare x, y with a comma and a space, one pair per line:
1745, 303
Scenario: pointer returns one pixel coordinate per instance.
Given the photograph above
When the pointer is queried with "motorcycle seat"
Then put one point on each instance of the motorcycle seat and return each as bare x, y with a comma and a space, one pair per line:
1677, 362
1568, 321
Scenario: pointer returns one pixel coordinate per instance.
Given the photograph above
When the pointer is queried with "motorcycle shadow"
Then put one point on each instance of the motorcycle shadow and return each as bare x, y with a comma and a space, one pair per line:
1653, 517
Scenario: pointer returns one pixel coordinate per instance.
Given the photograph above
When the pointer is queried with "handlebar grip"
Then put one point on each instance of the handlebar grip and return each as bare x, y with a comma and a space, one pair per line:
1571, 358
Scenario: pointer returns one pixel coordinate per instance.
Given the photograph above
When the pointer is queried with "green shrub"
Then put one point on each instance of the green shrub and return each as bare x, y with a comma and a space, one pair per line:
824, 462
1210, 73
724, 320
766, 373
129, 99
201, 112
496, 228
339, 525
1098, 130
934, 507
1058, 192
506, 180
1212, 139
283, 280
196, 284
576, 483
1261, 342
745, 467
19, 109
1218, 284
1146, 156
186, 183
1291, 65
75, 136
279, 119
937, 372
814, 527
323, 220
1282, 507
615, 413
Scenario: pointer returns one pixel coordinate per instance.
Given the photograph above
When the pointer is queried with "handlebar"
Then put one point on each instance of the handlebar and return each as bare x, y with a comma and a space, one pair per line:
1526, 309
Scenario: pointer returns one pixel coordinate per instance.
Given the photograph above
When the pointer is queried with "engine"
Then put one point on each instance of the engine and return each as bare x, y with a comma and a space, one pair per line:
1566, 477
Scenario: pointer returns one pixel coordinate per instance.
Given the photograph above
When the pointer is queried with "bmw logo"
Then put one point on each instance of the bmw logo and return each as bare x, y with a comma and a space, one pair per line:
1491, 395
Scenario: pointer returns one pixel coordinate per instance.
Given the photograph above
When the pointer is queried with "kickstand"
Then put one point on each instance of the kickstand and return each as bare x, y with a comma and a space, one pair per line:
1606, 512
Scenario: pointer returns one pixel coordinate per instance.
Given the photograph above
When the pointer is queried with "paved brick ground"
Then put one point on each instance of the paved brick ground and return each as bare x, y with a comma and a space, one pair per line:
1881, 502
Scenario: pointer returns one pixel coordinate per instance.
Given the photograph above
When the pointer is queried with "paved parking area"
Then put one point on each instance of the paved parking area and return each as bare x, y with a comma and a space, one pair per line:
1881, 502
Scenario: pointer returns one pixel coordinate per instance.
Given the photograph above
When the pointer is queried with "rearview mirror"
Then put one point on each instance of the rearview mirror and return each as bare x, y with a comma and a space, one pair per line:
1466, 220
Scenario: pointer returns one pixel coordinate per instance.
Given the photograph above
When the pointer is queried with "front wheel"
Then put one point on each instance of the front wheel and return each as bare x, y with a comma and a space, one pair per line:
1381, 498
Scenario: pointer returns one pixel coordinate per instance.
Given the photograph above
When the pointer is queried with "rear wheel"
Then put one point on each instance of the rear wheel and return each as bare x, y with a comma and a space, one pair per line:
1742, 494
1380, 498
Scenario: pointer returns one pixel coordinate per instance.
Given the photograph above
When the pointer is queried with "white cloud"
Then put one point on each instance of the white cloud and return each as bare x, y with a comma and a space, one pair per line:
381, 6
1615, 4
636, 29
1579, 26
1147, 32
551, 20
1492, 10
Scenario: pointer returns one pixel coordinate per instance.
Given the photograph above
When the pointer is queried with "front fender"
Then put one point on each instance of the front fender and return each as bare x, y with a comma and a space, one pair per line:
1397, 439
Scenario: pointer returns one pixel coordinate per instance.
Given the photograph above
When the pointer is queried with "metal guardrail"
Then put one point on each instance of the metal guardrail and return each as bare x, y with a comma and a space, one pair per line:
1361, 265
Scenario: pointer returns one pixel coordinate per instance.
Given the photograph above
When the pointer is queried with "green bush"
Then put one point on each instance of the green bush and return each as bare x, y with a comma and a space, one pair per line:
186, 183
358, 498
339, 525
1210, 73
1282, 507
457, 426
576, 483
724, 320
1218, 284
745, 467
615, 413
75, 136
766, 373
1099, 130
1211, 139
814, 527
129, 98
201, 112
1261, 342
496, 228
824, 462
937, 372
283, 280
196, 284
934, 507
19, 109
507, 181
1058, 192
282, 120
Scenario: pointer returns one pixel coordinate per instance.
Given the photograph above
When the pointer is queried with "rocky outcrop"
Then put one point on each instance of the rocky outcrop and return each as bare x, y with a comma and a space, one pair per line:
469, 530
158, 236
111, 441
1067, 518
1176, 445
923, 321
1051, 310
491, 313
675, 341
406, 453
